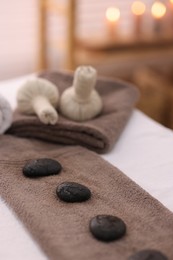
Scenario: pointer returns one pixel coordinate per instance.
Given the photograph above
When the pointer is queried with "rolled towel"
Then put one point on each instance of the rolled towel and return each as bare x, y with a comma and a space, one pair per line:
5, 115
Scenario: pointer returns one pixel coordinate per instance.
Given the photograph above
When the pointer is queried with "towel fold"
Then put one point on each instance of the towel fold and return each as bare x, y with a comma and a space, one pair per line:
98, 134
5, 115
62, 229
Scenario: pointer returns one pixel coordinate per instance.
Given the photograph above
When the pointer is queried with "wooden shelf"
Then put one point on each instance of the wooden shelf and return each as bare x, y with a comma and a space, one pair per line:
123, 63
100, 44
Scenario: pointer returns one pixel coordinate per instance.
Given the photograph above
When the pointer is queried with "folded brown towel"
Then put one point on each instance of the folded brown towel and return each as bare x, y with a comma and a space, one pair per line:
61, 228
98, 134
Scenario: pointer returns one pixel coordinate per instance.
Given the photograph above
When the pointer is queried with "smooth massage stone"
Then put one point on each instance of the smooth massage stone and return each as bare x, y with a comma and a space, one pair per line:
41, 167
73, 192
148, 255
107, 228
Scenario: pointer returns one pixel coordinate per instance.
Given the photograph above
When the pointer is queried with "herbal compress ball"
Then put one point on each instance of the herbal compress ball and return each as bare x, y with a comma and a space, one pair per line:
81, 102
40, 97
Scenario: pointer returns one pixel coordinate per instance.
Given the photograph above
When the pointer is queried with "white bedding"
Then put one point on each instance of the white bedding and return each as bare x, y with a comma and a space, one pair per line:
143, 152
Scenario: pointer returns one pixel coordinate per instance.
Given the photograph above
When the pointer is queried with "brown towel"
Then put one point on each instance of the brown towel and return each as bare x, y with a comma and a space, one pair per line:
98, 134
62, 229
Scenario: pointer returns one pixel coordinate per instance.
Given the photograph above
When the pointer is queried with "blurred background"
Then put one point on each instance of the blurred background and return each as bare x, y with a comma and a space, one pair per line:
128, 39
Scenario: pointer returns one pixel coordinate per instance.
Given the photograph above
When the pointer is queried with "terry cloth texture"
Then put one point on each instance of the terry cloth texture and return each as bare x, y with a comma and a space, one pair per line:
98, 134
62, 229
5, 115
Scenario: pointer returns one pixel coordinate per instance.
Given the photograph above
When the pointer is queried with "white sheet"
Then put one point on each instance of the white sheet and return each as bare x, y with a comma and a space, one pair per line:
144, 152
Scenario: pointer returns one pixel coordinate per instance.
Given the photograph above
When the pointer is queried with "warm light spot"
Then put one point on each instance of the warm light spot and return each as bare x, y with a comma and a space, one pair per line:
138, 8
113, 14
158, 10
171, 1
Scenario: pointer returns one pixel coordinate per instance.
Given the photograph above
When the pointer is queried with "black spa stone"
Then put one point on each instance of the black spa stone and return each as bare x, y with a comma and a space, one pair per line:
41, 167
73, 192
148, 255
107, 228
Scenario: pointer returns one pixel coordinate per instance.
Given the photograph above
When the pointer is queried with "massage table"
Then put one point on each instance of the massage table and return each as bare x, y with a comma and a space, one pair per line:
143, 152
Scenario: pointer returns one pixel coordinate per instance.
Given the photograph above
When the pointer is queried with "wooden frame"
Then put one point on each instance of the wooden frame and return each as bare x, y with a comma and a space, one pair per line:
70, 12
